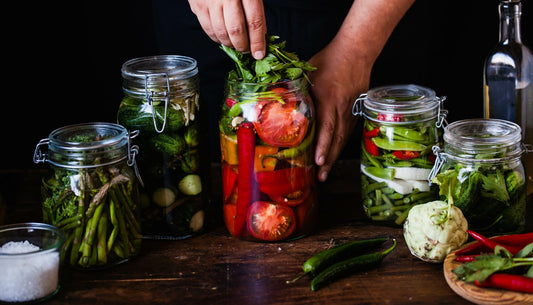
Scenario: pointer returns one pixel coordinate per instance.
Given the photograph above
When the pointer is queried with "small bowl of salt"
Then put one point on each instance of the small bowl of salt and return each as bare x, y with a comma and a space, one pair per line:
29, 262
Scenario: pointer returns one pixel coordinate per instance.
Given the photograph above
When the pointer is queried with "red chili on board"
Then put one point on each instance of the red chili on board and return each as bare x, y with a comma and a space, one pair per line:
508, 281
492, 244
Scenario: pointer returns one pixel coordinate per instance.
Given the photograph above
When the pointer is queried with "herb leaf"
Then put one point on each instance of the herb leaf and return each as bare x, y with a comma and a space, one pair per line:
278, 64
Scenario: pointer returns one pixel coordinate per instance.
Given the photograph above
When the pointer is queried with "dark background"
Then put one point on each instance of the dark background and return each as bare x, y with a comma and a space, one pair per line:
62, 61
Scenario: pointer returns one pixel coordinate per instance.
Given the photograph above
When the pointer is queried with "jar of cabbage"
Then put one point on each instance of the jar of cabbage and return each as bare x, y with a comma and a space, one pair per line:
481, 160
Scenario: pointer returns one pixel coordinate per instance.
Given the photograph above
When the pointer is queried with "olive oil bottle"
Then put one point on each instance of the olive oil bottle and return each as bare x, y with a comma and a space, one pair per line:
508, 79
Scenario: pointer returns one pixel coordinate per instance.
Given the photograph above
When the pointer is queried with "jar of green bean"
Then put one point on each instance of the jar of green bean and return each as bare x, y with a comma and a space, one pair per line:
401, 125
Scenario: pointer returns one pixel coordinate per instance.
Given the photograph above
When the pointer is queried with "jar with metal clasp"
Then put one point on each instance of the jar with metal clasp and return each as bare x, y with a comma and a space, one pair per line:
91, 193
481, 160
162, 101
401, 125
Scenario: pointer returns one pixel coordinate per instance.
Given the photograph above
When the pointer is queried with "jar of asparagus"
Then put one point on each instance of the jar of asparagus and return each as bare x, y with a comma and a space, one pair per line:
161, 100
481, 164
401, 124
91, 193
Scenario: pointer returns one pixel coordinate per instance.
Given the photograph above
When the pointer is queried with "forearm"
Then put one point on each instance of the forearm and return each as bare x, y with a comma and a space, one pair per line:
368, 26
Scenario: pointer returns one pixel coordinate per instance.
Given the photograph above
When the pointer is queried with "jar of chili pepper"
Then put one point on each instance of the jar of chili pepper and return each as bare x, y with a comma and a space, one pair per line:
401, 125
481, 160
161, 100
91, 193
268, 173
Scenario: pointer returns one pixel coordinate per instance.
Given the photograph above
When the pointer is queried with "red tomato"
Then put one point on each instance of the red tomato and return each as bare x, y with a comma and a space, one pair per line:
270, 221
280, 124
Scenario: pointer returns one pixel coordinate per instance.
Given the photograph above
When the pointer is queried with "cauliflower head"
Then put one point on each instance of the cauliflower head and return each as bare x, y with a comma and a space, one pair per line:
434, 229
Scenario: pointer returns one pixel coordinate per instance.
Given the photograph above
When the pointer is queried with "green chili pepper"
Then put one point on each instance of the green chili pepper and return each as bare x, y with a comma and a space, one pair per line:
387, 144
346, 267
338, 253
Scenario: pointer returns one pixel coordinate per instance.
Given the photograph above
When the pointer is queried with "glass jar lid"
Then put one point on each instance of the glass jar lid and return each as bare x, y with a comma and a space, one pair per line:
174, 72
86, 145
400, 104
489, 138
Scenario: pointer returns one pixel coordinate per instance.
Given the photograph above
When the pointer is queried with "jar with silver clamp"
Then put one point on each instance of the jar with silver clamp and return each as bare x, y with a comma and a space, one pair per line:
481, 161
401, 125
91, 193
161, 100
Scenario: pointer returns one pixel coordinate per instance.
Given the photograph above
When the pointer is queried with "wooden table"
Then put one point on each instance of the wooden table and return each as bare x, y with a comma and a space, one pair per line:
215, 268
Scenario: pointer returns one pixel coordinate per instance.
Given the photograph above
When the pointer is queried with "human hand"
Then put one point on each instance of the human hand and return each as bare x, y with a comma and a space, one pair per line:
239, 24
338, 81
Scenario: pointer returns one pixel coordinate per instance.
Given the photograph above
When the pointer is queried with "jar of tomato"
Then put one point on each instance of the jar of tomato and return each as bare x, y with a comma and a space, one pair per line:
402, 123
91, 193
161, 100
268, 173
481, 166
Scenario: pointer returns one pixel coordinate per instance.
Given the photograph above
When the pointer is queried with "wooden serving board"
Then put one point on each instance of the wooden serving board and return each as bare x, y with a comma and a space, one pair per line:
479, 295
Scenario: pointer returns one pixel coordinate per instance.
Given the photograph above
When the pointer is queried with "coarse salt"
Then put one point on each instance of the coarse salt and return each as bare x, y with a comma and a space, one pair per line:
27, 277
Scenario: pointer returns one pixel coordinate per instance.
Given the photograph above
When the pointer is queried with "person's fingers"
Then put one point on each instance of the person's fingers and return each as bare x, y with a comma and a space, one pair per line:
234, 17
326, 130
202, 14
255, 21
218, 23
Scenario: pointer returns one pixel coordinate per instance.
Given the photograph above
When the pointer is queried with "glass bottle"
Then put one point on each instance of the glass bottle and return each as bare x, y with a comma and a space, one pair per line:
161, 100
482, 159
91, 193
268, 173
508, 79
402, 123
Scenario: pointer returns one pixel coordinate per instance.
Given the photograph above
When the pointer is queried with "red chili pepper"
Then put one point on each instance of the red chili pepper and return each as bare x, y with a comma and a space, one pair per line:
370, 134
229, 180
283, 181
518, 240
230, 102
492, 244
466, 258
388, 117
508, 281
246, 150
405, 154
371, 147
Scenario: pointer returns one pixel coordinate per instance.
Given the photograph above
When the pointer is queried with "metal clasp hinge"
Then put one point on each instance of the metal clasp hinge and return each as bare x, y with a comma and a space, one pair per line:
150, 99
357, 108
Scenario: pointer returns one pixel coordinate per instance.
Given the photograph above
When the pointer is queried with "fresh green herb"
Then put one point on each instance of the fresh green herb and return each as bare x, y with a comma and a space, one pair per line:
501, 260
276, 65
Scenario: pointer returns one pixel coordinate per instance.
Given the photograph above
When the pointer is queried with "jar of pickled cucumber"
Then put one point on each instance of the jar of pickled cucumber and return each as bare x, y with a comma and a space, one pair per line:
91, 193
267, 147
481, 163
401, 125
161, 100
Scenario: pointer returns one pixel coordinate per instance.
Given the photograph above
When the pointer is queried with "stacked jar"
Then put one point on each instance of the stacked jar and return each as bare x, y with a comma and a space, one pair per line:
481, 160
402, 123
161, 101
268, 173
91, 193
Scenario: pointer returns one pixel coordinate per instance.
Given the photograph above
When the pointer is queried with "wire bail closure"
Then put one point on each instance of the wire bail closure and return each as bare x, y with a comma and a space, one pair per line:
357, 108
150, 98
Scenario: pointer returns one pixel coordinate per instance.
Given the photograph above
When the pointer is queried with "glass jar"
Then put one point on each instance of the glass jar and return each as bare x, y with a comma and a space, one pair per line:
482, 158
161, 101
268, 172
91, 193
402, 123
